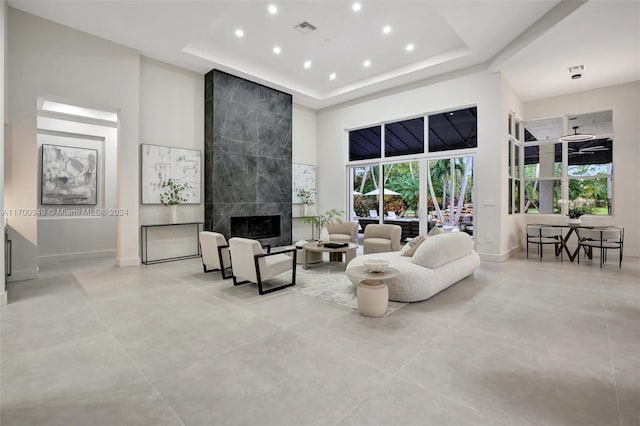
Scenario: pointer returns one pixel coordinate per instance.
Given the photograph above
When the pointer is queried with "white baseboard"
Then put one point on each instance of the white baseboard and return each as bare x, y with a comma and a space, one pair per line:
127, 261
55, 258
490, 257
3, 298
25, 274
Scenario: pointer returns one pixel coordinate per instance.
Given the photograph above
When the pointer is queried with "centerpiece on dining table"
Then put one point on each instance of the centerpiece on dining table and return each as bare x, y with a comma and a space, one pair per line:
574, 215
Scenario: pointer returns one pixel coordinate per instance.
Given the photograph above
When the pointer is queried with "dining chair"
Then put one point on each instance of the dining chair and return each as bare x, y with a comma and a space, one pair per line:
542, 235
604, 239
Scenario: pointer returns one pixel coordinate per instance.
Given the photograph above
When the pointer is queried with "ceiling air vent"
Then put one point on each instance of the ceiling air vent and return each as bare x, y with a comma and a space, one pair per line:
305, 27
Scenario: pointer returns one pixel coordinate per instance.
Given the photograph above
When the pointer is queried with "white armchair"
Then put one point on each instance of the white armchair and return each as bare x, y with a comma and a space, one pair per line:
251, 264
381, 238
343, 232
215, 253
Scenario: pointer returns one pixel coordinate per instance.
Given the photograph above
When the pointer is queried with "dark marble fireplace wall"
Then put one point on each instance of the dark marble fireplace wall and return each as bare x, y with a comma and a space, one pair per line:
247, 153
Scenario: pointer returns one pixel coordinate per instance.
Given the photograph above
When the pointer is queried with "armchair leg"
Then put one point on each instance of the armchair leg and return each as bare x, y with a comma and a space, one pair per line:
236, 282
261, 288
225, 275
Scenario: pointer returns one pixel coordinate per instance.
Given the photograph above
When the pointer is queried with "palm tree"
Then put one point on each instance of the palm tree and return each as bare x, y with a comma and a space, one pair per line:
441, 170
466, 173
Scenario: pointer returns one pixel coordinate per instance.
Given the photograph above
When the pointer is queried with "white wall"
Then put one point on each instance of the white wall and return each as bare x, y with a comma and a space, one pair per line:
304, 152
47, 59
623, 99
512, 225
3, 65
68, 237
481, 89
171, 114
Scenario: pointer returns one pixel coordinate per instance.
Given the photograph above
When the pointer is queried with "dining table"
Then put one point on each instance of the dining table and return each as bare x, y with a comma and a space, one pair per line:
572, 229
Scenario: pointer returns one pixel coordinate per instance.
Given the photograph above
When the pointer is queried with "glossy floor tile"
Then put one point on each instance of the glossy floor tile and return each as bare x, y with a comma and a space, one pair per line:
521, 342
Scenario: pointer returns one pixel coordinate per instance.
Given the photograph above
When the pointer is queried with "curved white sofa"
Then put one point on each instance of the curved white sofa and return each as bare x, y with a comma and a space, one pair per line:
439, 262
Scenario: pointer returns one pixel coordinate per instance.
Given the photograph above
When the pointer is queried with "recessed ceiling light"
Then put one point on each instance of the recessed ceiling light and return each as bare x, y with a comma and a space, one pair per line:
367, 63
386, 29
272, 9
450, 113
239, 33
332, 76
356, 7
307, 64
410, 47
277, 50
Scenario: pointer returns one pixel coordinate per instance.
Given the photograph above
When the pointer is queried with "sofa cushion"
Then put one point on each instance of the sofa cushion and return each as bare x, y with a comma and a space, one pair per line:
444, 248
410, 248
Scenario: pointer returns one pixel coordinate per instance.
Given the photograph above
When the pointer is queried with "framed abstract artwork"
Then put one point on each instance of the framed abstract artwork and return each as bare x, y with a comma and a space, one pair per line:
69, 175
160, 163
304, 177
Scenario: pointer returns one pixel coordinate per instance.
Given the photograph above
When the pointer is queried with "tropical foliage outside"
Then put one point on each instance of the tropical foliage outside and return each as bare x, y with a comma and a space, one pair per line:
446, 191
590, 191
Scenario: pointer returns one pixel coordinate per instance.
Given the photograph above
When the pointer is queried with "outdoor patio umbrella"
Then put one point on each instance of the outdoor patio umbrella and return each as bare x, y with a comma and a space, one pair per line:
385, 192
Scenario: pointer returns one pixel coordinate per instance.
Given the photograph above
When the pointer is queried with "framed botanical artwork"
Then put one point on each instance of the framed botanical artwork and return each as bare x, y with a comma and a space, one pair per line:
69, 175
160, 163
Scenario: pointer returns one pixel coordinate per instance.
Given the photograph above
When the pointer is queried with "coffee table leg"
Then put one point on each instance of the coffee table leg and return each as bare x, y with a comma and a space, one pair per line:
349, 256
304, 258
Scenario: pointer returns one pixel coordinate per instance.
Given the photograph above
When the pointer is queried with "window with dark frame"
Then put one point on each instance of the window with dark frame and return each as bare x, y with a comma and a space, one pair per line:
404, 137
453, 130
365, 144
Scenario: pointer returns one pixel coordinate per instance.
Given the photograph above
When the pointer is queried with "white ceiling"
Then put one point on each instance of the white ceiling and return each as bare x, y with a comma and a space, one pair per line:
532, 42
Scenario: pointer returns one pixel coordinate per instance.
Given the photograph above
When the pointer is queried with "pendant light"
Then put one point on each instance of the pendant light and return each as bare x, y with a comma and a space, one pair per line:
576, 74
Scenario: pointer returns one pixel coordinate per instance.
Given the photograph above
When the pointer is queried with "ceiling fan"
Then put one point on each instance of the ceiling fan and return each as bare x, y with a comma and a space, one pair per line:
590, 150
577, 137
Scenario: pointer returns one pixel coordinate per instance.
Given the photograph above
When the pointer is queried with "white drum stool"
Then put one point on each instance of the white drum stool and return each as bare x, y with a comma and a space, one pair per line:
372, 292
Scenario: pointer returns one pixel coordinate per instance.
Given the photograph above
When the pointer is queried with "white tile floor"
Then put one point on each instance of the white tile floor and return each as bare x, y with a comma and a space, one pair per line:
519, 343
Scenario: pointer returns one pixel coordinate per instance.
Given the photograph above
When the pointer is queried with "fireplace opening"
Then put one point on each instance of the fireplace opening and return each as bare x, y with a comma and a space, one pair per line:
255, 227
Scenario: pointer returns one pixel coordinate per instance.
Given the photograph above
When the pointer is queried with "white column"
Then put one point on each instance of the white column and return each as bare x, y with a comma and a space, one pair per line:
547, 159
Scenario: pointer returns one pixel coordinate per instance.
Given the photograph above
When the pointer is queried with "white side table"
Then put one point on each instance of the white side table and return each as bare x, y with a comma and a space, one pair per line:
372, 292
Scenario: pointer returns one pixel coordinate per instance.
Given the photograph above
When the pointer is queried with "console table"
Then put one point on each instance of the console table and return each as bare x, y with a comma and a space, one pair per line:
144, 231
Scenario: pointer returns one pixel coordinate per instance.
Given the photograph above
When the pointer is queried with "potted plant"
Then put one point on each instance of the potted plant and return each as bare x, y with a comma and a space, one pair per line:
320, 221
574, 214
173, 195
305, 195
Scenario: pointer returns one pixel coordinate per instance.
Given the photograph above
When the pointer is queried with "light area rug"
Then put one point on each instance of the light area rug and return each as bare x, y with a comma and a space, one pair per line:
328, 281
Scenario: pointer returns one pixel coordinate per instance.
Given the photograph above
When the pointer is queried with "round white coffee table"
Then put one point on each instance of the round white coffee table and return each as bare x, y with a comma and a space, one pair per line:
349, 252
372, 292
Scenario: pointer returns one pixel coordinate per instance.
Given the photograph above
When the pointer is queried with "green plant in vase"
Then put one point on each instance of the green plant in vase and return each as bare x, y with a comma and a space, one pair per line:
574, 214
174, 194
305, 195
320, 221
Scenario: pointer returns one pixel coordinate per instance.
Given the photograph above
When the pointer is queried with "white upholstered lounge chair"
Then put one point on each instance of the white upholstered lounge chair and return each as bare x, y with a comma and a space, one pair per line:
344, 232
381, 238
252, 264
215, 253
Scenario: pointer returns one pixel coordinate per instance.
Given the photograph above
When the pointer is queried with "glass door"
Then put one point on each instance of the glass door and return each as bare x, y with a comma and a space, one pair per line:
401, 196
450, 194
